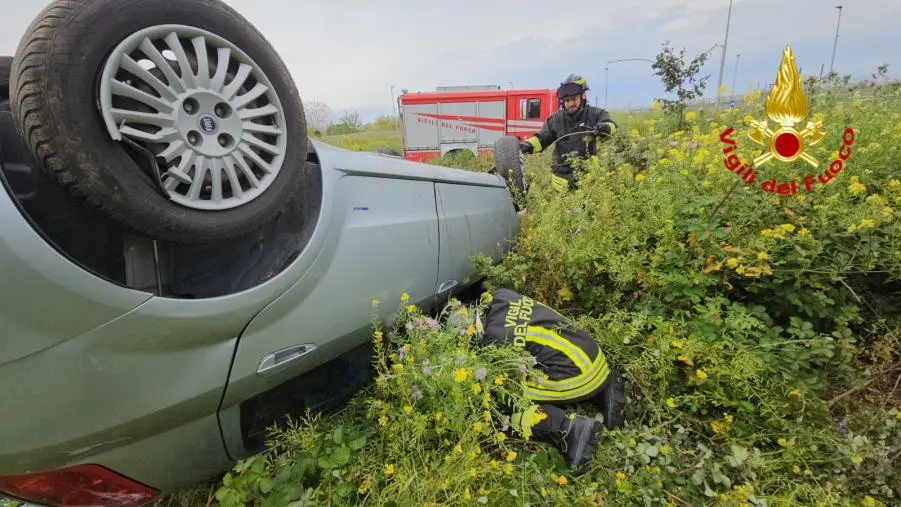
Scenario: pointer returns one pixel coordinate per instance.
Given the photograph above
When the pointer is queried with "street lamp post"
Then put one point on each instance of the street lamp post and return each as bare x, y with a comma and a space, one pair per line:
723, 59
394, 108
835, 44
607, 72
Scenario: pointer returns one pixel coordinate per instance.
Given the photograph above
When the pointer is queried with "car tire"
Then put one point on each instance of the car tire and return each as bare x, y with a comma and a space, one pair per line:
6, 63
508, 163
146, 154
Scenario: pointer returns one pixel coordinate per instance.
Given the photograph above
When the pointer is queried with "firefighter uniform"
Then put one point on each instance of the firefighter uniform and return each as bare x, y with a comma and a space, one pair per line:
595, 122
574, 365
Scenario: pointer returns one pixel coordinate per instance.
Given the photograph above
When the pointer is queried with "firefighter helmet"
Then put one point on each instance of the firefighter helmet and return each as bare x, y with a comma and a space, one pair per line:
573, 85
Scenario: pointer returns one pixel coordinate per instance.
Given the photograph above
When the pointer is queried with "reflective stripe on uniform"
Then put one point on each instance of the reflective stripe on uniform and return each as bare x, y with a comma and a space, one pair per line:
585, 384
536, 144
553, 340
612, 128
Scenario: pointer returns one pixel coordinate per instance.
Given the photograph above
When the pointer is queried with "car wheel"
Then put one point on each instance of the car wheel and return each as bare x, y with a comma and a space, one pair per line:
180, 122
6, 63
508, 163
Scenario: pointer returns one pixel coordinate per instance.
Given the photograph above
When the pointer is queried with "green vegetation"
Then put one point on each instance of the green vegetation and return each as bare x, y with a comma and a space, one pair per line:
759, 333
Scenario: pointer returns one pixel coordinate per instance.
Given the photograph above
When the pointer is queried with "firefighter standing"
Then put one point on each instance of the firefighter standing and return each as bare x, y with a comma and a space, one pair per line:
575, 370
575, 116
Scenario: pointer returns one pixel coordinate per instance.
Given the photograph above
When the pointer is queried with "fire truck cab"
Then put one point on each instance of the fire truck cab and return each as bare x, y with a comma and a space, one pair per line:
469, 119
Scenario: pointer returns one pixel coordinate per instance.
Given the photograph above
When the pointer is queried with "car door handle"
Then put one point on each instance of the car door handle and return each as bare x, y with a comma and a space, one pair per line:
283, 356
446, 286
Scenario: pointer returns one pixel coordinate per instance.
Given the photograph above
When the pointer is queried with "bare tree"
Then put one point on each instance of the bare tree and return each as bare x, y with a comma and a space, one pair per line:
319, 115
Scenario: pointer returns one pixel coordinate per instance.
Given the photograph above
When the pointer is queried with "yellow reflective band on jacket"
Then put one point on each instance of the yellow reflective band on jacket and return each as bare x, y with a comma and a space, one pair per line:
548, 338
612, 128
577, 387
560, 183
536, 144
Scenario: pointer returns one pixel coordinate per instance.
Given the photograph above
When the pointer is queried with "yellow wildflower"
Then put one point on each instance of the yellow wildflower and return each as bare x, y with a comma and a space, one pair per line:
867, 223
857, 187
676, 344
477, 426
562, 481
389, 469
787, 227
856, 459
397, 366
404, 297
664, 449
566, 294
383, 420
466, 494
803, 232
411, 308
670, 403
458, 449
375, 302
408, 409
501, 436
655, 105
460, 374
476, 388
620, 477
639, 177
762, 256
731, 262
691, 115
498, 380
511, 455
471, 330
701, 374
508, 469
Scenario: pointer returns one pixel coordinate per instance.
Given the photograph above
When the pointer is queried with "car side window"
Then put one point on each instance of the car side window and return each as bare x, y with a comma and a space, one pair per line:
529, 109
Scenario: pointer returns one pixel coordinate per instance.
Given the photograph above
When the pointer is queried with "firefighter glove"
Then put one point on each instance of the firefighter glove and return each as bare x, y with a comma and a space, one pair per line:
603, 128
525, 147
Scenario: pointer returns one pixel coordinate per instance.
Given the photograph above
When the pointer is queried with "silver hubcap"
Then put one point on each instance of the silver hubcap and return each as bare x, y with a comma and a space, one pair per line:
203, 107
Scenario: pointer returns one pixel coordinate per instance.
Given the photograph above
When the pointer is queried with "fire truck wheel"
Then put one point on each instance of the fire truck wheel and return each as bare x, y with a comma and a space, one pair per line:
181, 123
6, 63
508, 163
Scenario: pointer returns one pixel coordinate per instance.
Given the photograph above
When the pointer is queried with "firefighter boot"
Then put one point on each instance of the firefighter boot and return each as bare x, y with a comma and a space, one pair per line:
578, 440
613, 401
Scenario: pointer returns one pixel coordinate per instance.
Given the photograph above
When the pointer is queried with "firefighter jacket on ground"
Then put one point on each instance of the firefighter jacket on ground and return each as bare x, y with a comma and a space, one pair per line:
561, 123
575, 368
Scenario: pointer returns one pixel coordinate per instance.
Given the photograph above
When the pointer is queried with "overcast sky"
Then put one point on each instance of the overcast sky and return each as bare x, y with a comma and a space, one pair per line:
349, 53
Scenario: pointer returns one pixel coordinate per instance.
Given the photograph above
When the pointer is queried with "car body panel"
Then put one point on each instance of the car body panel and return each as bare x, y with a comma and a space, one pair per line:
47, 299
381, 239
137, 382
158, 367
473, 220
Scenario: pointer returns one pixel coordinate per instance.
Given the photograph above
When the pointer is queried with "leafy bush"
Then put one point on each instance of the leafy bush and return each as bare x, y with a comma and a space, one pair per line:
741, 317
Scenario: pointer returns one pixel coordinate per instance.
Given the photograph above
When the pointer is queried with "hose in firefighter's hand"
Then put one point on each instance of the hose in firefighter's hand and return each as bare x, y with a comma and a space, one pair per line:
581, 132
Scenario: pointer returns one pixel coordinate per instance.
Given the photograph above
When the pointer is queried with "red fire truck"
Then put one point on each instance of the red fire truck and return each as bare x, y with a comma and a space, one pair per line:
469, 118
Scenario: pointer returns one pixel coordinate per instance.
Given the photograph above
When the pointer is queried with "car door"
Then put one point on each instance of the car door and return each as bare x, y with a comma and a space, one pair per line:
473, 219
382, 241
